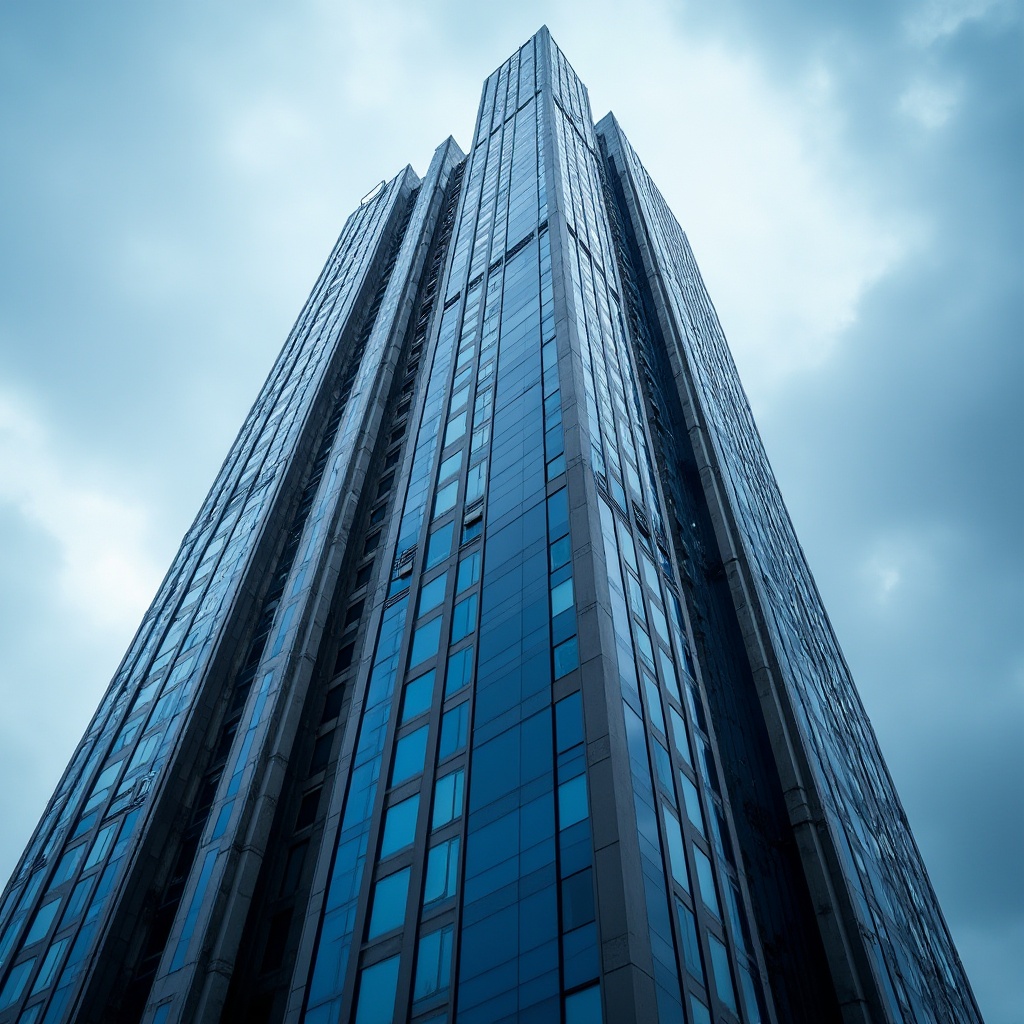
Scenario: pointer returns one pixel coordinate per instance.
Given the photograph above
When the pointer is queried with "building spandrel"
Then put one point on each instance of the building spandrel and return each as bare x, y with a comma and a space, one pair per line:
490, 683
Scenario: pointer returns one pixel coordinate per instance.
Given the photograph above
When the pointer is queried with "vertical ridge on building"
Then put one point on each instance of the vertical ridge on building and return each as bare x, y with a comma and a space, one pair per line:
491, 683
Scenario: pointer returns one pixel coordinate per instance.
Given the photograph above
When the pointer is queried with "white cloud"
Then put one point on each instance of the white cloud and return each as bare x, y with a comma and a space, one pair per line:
930, 104
933, 20
107, 571
786, 228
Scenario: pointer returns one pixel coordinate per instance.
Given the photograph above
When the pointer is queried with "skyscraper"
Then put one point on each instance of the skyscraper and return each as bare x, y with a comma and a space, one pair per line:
490, 682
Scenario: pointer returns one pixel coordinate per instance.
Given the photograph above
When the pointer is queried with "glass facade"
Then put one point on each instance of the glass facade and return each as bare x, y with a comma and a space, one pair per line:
489, 684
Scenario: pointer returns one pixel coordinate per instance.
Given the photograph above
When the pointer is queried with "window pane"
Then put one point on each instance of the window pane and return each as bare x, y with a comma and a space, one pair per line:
469, 571
561, 597
692, 800
698, 1011
691, 943
706, 881
434, 963
567, 657
450, 467
445, 498
377, 989
751, 1003
389, 897
676, 854
584, 1007
410, 752
663, 766
454, 731
432, 594
455, 429
400, 826
49, 968
43, 920
439, 547
558, 513
720, 970
475, 481
425, 641
578, 900
569, 721
448, 798
460, 670
654, 702
418, 695
464, 617
442, 872
16, 981
572, 801
560, 553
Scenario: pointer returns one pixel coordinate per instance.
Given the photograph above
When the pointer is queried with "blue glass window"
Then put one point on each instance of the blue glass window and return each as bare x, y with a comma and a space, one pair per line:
654, 702
432, 594
100, 846
739, 921
378, 986
400, 826
460, 671
584, 1006
450, 467
643, 646
636, 596
751, 1002
668, 670
455, 429
558, 513
578, 900
50, 964
572, 801
442, 876
444, 500
561, 597
560, 553
454, 731
692, 801
476, 481
679, 735
448, 798
16, 982
67, 865
43, 919
569, 721
706, 881
698, 1011
676, 853
556, 467
663, 766
76, 901
434, 963
389, 899
418, 695
469, 571
439, 546
410, 753
464, 617
720, 971
425, 641
567, 657
691, 941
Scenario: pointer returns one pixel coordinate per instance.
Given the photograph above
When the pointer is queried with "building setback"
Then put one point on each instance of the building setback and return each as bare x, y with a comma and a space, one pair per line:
490, 682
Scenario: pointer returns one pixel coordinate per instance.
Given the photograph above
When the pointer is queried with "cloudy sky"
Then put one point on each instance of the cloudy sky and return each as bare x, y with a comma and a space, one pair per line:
173, 176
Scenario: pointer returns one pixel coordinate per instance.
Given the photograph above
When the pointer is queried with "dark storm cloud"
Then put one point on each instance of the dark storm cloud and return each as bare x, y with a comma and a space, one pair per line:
901, 457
